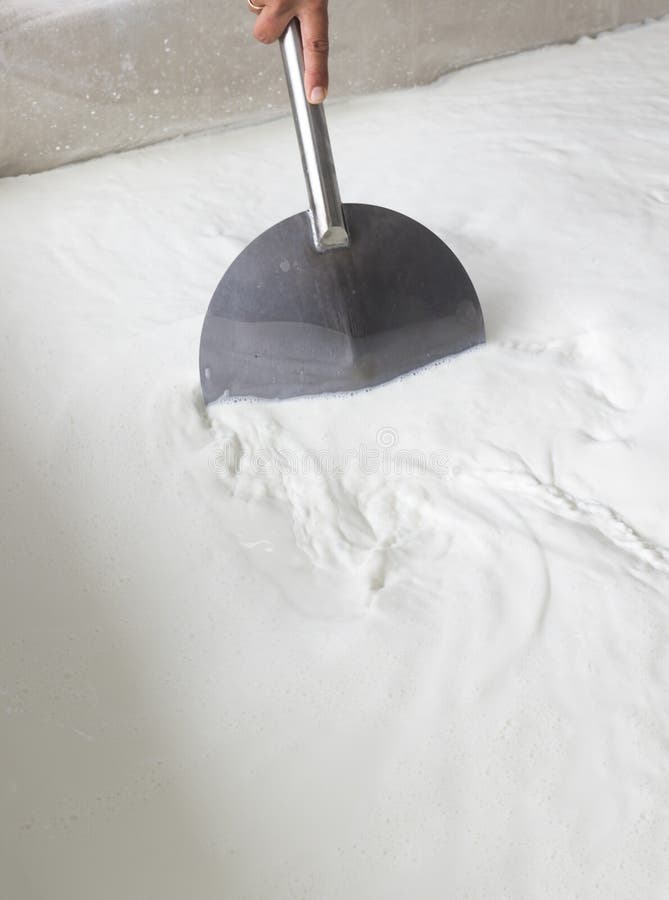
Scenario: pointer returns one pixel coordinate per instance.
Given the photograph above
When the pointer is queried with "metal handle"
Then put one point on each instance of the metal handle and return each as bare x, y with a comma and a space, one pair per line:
325, 209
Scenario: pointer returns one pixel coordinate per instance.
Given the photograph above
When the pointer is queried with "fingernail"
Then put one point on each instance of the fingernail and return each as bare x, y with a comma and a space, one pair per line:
317, 95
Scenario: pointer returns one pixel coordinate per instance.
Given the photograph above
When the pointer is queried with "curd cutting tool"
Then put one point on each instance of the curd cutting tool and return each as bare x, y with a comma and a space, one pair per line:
337, 298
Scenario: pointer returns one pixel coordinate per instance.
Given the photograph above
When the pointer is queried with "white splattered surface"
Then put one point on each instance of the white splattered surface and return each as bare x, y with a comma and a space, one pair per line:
412, 643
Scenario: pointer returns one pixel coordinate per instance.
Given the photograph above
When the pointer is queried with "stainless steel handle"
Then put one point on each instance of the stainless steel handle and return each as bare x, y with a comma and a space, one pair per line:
325, 210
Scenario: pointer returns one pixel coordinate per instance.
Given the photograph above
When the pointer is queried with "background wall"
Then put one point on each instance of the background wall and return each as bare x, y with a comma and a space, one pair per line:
87, 77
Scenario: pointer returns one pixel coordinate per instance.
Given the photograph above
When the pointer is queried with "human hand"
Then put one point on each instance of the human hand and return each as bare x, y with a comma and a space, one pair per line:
273, 18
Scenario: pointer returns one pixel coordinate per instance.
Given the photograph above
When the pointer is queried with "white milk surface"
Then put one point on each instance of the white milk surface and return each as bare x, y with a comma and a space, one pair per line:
411, 644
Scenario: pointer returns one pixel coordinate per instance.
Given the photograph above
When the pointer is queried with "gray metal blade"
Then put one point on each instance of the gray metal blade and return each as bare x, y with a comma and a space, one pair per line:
288, 321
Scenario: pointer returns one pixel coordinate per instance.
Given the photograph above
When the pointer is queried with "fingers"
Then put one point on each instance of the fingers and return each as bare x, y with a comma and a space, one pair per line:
314, 26
272, 21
